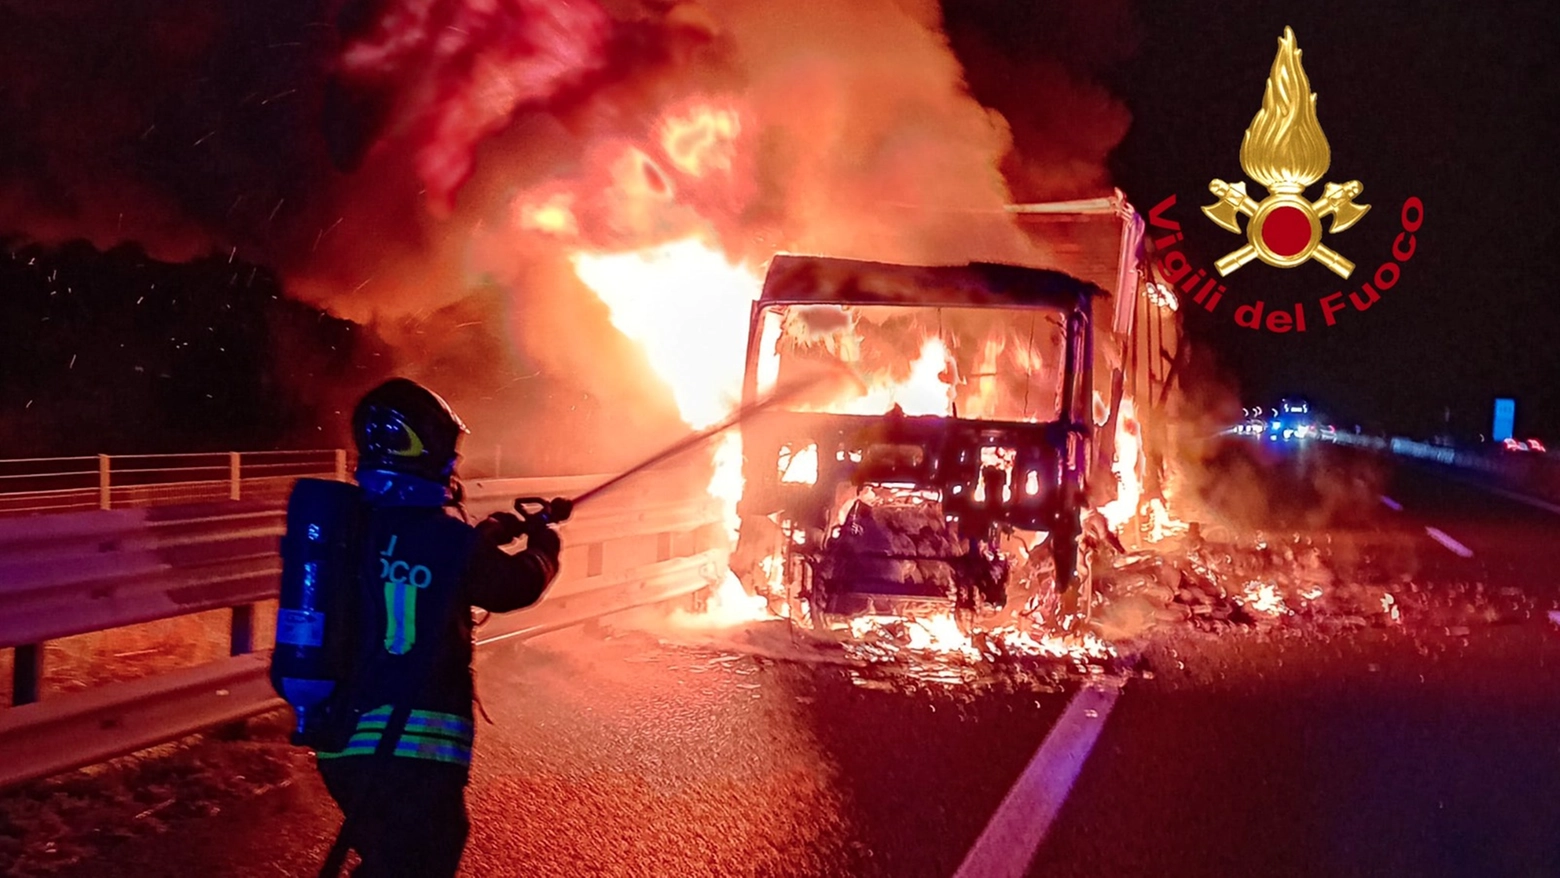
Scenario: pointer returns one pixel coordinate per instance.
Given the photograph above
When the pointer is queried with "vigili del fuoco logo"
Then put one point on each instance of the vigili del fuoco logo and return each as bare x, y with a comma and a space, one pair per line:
1286, 152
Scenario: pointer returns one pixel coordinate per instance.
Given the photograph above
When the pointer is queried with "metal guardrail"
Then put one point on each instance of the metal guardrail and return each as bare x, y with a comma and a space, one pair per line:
1530, 474
34, 485
90, 571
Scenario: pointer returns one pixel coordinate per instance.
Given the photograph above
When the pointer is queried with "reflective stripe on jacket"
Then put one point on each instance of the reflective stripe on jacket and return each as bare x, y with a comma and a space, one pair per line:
429, 734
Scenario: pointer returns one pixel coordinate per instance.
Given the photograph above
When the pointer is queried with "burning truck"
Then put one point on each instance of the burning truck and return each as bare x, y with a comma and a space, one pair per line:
985, 442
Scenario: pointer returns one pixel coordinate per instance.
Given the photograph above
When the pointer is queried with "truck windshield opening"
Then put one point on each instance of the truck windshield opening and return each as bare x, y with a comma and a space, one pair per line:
999, 364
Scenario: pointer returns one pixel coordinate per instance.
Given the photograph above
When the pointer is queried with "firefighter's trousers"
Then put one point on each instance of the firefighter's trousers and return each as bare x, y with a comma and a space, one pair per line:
405, 817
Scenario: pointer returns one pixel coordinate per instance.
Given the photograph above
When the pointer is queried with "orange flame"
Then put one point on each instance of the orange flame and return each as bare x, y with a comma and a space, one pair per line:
553, 216
1129, 481
702, 140
924, 392
687, 306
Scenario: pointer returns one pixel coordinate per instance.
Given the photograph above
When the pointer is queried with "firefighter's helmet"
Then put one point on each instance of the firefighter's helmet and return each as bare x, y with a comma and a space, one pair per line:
402, 427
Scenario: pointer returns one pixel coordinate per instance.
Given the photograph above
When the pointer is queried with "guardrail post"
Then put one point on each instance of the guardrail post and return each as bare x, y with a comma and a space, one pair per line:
26, 673
233, 487
104, 497
242, 630
341, 464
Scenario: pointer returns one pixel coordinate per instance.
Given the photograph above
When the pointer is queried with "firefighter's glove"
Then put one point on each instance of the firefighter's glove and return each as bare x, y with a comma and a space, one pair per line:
560, 509
501, 528
541, 538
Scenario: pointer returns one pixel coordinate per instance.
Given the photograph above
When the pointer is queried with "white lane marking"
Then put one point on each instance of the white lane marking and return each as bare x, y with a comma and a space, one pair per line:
1009, 841
1391, 504
1452, 545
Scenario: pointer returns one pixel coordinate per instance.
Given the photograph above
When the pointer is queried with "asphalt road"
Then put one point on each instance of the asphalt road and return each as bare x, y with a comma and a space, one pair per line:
1432, 748
627, 756
1424, 748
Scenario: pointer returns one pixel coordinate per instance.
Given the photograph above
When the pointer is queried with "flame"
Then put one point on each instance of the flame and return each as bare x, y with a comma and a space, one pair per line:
800, 467
729, 604
1161, 524
926, 391
940, 634
553, 216
684, 302
726, 482
1129, 481
1284, 148
1162, 296
1265, 598
687, 306
982, 402
702, 140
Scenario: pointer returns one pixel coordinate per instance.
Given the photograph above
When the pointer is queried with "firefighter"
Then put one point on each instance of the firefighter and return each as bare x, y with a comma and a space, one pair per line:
400, 779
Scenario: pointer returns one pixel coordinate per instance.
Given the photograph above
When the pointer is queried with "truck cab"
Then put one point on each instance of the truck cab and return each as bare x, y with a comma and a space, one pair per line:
939, 456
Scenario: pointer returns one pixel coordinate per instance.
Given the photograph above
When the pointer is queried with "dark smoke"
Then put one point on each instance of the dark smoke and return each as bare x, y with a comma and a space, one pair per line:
375, 154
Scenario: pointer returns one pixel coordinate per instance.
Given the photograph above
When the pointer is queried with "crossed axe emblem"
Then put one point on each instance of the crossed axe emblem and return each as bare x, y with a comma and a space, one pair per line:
1285, 229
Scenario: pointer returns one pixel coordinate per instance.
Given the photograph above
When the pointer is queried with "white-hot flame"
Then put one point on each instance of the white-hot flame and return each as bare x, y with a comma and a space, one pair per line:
687, 306
799, 467
926, 391
1265, 598
729, 604
941, 634
1129, 483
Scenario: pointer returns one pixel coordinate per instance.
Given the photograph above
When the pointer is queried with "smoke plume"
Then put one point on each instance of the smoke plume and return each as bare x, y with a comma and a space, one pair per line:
435, 168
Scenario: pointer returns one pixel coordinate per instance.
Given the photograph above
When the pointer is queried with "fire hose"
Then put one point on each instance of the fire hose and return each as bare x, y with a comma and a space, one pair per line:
538, 511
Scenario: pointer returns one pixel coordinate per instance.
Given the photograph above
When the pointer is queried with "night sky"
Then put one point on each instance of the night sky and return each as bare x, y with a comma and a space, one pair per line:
1450, 104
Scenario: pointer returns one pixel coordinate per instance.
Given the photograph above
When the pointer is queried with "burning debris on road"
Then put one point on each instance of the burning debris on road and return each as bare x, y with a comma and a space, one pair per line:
1241, 582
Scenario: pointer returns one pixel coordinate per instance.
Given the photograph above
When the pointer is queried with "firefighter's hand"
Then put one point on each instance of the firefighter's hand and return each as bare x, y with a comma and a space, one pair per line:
559, 509
541, 538
501, 528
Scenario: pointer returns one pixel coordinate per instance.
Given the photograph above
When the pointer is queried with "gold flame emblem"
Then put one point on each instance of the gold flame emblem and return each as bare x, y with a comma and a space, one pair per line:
1285, 150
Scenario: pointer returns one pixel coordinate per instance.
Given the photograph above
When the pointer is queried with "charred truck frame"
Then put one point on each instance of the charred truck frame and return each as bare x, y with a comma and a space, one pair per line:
880, 513
956, 470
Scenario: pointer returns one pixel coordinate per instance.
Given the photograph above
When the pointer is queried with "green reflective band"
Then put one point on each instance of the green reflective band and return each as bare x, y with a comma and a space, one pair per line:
435, 749
429, 721
400, 617
438, 738
416, 739
349, 751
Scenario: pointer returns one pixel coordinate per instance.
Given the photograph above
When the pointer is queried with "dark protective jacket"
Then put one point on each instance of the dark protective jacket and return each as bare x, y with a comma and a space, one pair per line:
423, 570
